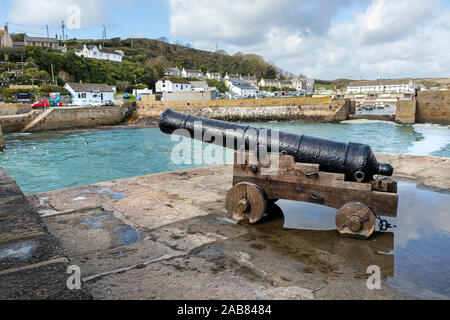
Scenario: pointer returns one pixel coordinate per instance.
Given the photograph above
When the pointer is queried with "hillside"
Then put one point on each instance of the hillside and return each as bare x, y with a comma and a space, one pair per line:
144, 62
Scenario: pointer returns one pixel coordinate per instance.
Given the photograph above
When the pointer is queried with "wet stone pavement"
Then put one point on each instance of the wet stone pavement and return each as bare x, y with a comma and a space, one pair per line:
33, 264
166, 236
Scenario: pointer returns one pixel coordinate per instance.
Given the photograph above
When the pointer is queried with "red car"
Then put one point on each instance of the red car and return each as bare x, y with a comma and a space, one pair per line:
40, 104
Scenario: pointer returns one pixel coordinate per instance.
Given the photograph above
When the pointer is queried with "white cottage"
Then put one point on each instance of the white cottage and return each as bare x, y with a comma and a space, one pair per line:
214, 75
381, 86
90, 94
95, 52
241, 88
172, 72
200, 86
195, 74
172, 84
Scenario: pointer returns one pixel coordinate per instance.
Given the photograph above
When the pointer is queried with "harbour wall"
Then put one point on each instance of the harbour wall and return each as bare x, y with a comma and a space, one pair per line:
429, 106
10, 109
302, 109
433, 106
64, 118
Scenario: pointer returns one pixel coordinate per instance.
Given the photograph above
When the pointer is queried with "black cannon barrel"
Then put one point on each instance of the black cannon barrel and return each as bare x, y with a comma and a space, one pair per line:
355, 160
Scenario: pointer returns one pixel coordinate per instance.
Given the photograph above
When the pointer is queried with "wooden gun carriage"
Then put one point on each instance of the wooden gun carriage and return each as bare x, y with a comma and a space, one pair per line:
256, 185
340, 175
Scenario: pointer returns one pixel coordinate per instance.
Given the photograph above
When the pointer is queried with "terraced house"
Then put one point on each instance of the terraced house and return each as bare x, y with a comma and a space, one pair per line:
95, 52
172, 84
381, 86
196, 74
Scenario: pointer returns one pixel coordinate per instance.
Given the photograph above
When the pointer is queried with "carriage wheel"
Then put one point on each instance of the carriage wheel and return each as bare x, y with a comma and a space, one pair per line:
355, 220
246, 200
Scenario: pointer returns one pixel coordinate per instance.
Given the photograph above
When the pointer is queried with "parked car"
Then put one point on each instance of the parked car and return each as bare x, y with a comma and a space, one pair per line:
109, 103
126, 96
40, 104
95, 104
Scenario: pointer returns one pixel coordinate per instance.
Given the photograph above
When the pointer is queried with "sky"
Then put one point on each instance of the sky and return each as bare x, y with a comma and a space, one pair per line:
325, 39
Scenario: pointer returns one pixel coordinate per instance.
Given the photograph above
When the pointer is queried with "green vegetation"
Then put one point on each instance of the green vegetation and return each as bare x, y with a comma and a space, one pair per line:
220, 85
144, 62
9, 95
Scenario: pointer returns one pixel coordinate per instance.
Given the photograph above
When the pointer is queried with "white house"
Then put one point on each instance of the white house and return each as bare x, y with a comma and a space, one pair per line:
241, 88
172, 84
269, 83
85, 94
234, 76
285, 84
172, 72
298, 84
95, 52
381, 86
138, 93
200, 86
214, 75
196, 74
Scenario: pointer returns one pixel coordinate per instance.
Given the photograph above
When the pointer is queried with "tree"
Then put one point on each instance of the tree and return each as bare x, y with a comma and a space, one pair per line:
122, 85
220, 85
33, 73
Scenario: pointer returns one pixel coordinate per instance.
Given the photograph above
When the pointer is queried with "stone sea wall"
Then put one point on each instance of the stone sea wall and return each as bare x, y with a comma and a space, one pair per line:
433, 107
11, 109
300, 109
64, 118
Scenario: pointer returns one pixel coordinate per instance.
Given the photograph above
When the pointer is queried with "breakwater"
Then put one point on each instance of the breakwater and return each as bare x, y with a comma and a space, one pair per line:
302, 109
63, 118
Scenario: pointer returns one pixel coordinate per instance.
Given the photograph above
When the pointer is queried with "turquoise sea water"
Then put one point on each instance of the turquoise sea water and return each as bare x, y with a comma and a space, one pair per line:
47, 161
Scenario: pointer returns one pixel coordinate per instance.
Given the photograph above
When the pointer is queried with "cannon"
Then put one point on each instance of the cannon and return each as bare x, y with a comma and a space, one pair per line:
345, 176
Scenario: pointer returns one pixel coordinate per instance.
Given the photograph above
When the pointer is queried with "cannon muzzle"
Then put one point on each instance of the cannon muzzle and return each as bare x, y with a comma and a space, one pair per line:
355, 160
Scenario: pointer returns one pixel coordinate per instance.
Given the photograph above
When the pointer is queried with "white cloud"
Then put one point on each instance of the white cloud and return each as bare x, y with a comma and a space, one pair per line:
52, 12
395, 38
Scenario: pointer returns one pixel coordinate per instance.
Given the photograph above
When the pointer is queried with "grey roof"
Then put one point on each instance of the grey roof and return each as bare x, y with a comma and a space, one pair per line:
40, 39
90, 87
241, 84
198, 84
196, 71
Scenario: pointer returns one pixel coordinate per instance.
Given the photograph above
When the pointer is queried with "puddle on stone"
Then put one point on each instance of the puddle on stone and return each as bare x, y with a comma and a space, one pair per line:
128, 234
19, 250
413, 257
110, 192
94, 220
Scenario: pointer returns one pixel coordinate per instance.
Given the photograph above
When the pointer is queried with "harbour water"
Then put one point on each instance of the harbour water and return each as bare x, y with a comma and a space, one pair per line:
55, 160
413, 256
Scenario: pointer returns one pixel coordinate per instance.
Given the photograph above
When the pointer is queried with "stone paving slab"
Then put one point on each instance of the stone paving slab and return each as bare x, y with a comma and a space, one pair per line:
33, 264
188, 249
44, 282
166, 236
27, 251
